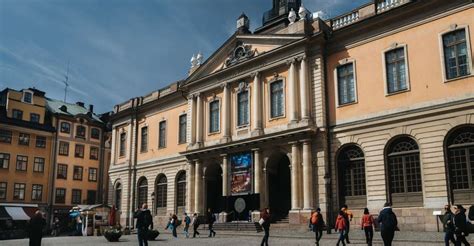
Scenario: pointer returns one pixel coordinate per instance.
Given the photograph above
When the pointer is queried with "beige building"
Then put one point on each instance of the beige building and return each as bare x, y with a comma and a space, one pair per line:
372, 106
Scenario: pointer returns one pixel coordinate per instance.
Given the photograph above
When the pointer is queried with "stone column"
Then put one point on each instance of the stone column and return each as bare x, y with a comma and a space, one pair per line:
190, 189
198, 187
307, 176
225, 175
304, 89
258, 171
257, 105
226, 112
112, 148
294, 176
292, 93
199, 119
192, 119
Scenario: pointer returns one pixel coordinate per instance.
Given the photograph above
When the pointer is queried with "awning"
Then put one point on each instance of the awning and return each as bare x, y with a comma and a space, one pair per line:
17, 213
3, 214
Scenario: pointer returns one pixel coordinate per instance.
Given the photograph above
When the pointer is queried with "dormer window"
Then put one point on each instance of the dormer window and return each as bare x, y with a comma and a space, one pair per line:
27, 97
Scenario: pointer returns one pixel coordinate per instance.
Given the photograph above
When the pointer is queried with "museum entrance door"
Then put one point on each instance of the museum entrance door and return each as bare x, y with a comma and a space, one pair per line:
214, 199
279, 186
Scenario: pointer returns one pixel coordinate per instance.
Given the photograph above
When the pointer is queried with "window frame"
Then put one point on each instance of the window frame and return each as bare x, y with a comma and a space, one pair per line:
62, 128
453, 28
26, 163
96, 149
237, 108
64, 144
33, 198
89, 174
8, 136
79, 154
37, 164
162, 136
64, 168
341, 63
40, 143
122, 144
209, 120
18, 112
24, 94
63, 201
24, 142
75, 175
35, 114
5, 190
393, 47
185, 140
144, 141
181, 190
3, 160
15, 189
82, 136
161, 200
94, 136
269, 98
73, 201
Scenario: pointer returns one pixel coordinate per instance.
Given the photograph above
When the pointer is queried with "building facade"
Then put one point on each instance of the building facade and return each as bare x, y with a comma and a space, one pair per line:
371, 106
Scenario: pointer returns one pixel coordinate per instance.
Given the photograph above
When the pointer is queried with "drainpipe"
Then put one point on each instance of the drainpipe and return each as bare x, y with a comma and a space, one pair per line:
53, 172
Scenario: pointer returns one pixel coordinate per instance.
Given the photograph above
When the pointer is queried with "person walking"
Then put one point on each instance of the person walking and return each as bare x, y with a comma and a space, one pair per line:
144, 221
367, 224
35, 229
448, 225
187, 222
265, 223
174, 225
317, 224
388, 224
211, 218
341, 226
56, 229
195, 225
348, 216
460, 225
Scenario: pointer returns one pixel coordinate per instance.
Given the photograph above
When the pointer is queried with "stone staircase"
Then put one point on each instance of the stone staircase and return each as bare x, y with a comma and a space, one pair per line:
236, 226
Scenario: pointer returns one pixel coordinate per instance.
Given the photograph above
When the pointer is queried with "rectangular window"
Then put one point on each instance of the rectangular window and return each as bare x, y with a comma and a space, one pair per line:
243, 108
62, 171
3, 190
277, 99
79, 151
17, 114
80, 132
21, 162
396, 70
40, 142
34, 117
4, 160
27, 97
182, 128
38, 165
77, 173
346, 84
63, 148
95, 133
37, 192
162, 135
94, 153
93, 174
19, 191
144, 143
123, 138
456, 59
214, 116
65, 127
5, 136
60, 195
76, 196
24, 139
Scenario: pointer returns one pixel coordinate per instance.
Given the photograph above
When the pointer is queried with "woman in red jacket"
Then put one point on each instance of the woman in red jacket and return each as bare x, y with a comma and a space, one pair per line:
341, 226
367, 225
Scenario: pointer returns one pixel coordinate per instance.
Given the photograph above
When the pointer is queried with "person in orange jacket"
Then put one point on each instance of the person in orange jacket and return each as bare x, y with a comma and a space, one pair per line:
341, 226
367, 224
348, 216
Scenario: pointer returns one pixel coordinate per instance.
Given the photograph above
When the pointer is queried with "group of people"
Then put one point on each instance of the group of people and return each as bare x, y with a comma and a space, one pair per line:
455, 225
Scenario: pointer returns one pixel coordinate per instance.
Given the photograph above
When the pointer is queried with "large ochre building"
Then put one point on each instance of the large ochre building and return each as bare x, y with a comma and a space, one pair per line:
371, 106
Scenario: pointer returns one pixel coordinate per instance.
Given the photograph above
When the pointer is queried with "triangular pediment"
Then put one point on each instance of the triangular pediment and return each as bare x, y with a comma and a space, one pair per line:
240, 48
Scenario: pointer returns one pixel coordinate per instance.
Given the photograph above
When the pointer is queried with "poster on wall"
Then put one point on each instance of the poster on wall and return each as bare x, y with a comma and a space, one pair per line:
241, 173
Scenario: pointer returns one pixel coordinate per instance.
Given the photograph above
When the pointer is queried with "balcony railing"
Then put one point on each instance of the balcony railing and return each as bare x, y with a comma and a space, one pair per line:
345, 20
385, 5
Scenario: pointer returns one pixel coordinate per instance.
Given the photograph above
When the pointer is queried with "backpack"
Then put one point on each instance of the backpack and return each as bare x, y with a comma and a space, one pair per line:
187, 220
148, 220
471, 213
314, 219
213, 217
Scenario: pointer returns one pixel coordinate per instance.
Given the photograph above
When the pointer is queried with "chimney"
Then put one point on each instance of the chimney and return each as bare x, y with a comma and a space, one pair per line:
91, 108
81, 104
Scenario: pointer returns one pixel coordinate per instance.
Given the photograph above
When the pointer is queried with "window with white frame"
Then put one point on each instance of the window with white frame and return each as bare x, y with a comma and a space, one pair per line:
456, 57
19, 190
277, 102
37, 192
144, 140
4, 160
243, 108
123, 139
27, 97
396, 70
346, 84
38, 165
182, 128
3, 190
214, 116
162, 135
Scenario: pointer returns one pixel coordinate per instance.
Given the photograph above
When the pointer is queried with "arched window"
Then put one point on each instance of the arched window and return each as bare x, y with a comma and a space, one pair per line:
118, 196
142, 191
404, 172
460, 151
181, 189
161, 192
351, 164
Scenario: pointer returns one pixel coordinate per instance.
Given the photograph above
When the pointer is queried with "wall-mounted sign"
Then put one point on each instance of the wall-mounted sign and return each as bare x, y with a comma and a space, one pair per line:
241, 173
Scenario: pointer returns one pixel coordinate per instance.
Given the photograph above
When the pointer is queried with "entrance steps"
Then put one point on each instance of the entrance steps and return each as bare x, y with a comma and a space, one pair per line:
236, 226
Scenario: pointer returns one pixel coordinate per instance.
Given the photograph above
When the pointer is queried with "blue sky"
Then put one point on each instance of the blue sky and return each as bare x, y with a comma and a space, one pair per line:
118, 49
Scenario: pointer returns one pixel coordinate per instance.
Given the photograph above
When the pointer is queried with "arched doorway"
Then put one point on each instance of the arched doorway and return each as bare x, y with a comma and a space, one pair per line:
351, 173
118, 196
161, 194
214, 199
279, 185
142, 192
180, 192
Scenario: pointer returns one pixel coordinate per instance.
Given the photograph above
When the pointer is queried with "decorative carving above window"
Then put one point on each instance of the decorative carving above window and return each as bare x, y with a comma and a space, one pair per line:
240, 53
242, 87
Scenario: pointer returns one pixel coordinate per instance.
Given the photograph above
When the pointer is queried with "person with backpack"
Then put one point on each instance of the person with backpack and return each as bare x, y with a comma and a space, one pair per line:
367, 224
448, 225
460, 225
211, 218
348, 216
317, 224
144, 221
265, 223
195, 225
187, 222
174, 224
341, 226
388, 224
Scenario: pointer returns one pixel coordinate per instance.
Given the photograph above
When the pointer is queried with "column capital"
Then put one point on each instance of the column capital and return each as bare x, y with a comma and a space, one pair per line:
255, 74
291, 61
256, 149
293, 143
225, 85
306, 141
301, 58
223, 155
190, 162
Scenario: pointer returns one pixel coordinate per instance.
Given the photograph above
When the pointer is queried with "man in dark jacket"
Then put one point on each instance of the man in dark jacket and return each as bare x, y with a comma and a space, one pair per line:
388, 224
211, 218
144, 221
448, 225
35, 229
460, 224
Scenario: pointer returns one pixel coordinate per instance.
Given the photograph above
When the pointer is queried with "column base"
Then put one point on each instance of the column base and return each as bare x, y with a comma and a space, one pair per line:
298, 217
